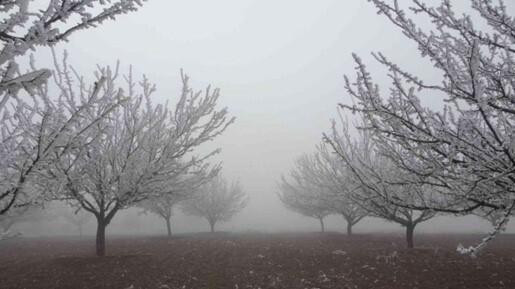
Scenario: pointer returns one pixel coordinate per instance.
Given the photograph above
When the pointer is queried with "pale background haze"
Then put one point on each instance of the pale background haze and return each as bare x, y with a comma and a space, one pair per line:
280, 67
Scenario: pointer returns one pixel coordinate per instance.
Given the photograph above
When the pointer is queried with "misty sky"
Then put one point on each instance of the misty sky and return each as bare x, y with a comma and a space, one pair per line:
280, 67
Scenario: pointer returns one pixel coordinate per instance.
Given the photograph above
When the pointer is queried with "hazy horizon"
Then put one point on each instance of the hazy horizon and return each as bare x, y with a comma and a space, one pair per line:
280, 67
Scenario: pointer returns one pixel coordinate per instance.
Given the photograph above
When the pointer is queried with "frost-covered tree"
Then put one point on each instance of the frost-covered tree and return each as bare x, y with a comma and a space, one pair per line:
466, 151
163, 207
370, 174
35, 126
306, 203
303, 196
319, 186
328, 170
37, 130
182, 189
27, 24
217, 201
139, 150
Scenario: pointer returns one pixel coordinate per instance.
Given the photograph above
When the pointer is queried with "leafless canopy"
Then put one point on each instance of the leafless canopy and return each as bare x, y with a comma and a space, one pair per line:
217, 201
464, 153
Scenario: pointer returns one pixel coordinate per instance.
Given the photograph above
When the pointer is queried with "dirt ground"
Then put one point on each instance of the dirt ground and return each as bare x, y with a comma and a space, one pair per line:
257, 261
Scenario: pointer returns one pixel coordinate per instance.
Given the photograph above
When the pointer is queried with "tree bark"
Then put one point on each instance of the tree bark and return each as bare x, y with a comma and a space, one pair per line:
101, 237
322, 226
349, 228
169, 227
409, 235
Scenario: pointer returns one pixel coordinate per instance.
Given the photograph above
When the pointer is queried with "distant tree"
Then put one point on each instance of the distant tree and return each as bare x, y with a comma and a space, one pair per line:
301, 195
163, 207
183, 189
465, 152
370, 174
217, 201
139, 150
329, 171
36, 128
320, 187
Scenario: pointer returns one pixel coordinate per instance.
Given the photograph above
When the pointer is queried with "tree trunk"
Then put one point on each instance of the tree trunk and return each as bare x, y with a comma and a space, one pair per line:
322, 226
409, 235
101, 237
349, 228
212, 225
169, 227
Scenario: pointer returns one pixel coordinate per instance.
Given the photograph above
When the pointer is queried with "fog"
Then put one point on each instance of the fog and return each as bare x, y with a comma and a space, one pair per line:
280, 67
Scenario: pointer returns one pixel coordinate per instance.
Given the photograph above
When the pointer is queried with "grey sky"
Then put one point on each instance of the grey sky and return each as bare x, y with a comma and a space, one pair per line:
279, 65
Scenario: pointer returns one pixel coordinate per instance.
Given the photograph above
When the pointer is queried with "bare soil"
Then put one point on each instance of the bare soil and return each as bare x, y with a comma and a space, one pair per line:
240, 261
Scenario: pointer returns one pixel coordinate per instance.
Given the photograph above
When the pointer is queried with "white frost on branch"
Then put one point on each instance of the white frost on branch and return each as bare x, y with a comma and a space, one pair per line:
140, 150
217, 201
465, 153
34, 126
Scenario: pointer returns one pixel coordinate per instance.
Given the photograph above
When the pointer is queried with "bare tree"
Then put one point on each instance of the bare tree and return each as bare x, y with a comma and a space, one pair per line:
163, 207
183, 189
138, 151
320, 180
465, 152
217, 201
370, 173
330, 171
303, 196
27, 25
36, 129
